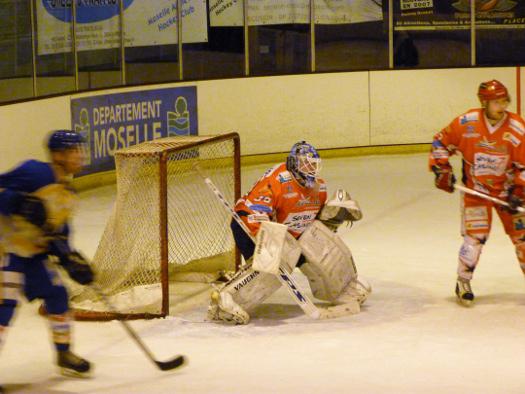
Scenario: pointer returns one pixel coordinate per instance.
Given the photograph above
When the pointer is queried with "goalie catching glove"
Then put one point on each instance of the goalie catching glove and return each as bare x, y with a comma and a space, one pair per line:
73, 262
338, 209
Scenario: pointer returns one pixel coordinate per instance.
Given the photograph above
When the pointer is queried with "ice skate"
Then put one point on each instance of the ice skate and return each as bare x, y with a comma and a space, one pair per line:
464, 292
72, 365
223, 307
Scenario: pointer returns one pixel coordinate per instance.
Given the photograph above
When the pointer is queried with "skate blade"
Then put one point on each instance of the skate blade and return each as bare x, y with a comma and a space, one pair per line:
71, 373
465, 303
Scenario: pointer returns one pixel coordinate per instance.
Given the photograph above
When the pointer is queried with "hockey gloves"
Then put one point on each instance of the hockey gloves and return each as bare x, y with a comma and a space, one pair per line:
30, 208
77, 267
73, 262
513, 200
445, 178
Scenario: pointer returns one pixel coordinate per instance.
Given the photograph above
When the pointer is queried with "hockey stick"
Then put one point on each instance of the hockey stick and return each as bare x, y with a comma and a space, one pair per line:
291, 285
162, 365
486, 197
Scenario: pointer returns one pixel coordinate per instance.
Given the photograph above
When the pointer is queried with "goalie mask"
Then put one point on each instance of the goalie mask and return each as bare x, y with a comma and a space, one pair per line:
304, 163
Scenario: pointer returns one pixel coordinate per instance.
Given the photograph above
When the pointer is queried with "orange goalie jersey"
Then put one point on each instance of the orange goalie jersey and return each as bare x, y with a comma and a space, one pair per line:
277, 196
492, 156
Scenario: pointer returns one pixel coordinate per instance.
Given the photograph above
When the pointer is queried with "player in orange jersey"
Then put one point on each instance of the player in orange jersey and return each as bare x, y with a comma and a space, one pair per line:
292, 194
491, 142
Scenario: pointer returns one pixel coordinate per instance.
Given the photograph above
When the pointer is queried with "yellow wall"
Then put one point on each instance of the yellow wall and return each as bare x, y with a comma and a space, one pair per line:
335, 110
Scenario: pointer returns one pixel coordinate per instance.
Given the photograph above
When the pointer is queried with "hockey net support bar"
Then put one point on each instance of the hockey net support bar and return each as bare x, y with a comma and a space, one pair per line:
164, 227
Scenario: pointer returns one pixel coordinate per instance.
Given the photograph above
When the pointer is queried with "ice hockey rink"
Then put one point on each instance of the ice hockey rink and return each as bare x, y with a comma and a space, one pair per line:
411, 336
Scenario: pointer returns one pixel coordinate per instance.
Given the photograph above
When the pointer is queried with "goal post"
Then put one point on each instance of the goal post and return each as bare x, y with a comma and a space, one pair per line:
165, 227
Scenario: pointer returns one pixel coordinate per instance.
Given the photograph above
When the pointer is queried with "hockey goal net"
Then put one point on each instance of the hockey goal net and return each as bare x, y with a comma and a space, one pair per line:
165, 226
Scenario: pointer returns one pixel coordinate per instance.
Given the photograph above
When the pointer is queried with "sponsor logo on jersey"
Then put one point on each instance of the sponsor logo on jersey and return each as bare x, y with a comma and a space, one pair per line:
260, 208
485, 164
469, 117
517, 126
290, 195
476, 213
307, 200
440, 153
491, 145
257, 218
284, 177
471, 132
477, 225
299, 221
507, 136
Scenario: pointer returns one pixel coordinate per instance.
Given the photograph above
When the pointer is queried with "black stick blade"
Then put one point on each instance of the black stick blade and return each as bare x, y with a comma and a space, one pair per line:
177, 362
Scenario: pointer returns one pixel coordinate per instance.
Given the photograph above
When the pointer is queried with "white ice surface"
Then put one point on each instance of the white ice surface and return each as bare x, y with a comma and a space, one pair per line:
411, 336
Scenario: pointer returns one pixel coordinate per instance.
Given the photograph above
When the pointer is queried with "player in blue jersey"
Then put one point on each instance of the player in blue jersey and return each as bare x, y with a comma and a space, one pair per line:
36, 201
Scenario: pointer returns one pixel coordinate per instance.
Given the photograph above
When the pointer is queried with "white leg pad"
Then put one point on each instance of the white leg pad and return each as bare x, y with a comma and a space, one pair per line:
247, 289
330, 268
357, 290
275, 247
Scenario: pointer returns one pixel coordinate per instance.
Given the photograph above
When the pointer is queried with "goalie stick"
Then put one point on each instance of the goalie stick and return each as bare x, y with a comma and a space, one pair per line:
162, 365
291, 285
486, 197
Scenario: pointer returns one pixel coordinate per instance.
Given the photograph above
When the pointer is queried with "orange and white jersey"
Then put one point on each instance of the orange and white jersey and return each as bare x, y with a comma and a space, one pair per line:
492, 155
277, 196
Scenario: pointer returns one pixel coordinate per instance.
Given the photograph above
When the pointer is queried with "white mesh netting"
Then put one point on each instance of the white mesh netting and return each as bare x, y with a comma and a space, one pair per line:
156, 180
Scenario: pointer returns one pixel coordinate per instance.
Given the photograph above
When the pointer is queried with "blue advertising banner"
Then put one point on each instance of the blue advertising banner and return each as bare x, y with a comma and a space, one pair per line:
115, 121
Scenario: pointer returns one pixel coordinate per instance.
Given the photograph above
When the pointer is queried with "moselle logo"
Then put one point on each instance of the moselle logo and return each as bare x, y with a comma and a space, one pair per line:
88, 11
179, 120
485, 5
83, 127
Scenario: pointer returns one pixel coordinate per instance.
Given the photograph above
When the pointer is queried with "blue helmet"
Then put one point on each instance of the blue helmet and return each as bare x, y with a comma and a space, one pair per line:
64, 139
304, 163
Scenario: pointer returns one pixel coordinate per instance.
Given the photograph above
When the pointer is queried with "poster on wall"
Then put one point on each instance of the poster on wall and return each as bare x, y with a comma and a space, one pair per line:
269, 12
114, 121
455, 14
146, 22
